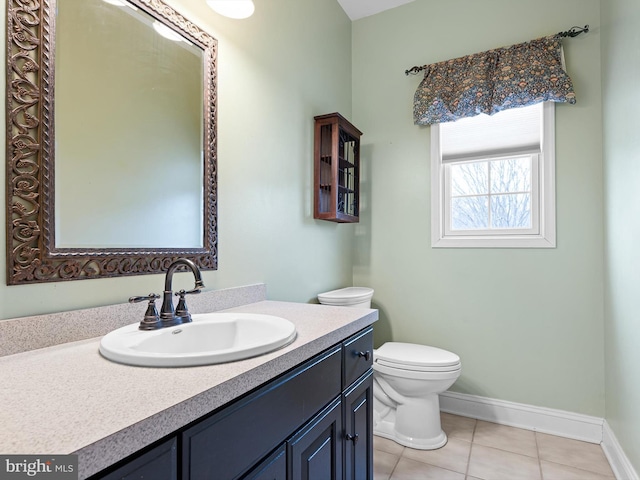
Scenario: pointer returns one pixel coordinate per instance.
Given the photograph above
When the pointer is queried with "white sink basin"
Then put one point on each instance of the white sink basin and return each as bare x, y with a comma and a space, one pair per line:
209, 338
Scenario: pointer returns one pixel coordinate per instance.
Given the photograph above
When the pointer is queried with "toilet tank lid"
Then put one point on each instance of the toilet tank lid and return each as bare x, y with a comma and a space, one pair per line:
416, 355
349, 293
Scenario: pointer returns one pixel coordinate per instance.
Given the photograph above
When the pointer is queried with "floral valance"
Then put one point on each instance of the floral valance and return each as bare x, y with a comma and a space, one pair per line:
492, 81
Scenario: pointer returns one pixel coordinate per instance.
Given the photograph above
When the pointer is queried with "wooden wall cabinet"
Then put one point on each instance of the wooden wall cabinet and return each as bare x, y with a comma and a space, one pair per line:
336, 169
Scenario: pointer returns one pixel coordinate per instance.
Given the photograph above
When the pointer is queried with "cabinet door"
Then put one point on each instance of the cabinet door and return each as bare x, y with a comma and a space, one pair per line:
315, 453
159, 463
229, 443
273, 468
358, 429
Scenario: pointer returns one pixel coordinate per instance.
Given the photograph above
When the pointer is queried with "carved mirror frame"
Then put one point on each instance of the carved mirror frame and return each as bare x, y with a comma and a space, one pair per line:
31, 253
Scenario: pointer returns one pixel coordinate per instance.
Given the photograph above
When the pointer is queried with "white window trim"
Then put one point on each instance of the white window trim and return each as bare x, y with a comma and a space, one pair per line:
546, 238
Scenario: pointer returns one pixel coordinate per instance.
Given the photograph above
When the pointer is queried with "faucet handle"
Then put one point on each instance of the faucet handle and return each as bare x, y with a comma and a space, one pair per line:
152, 297
181, 308
151, 320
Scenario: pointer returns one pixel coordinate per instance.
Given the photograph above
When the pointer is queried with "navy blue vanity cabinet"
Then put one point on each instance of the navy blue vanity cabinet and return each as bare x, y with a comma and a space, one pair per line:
357, 355
357, 399
274, 467
358, 429
159, 463
315, 452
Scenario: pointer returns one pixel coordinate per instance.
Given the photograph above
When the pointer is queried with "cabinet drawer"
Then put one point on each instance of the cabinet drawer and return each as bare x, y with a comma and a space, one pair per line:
358, 356
256, 424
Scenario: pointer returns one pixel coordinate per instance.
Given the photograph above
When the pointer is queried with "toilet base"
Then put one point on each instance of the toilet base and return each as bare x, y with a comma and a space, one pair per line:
386, 429
415, 423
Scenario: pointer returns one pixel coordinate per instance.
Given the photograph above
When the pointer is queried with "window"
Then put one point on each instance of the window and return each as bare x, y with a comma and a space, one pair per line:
493, 180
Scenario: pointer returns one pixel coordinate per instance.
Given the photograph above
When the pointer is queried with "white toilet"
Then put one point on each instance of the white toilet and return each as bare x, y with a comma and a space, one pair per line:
407, 379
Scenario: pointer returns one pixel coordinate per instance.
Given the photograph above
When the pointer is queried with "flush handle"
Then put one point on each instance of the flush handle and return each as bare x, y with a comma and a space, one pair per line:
366, 354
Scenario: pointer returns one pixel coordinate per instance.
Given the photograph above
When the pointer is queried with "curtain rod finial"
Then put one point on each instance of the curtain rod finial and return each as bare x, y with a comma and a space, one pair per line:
413, 70
574, 31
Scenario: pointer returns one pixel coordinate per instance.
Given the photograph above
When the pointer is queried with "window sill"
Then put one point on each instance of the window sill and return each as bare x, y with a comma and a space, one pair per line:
529, 241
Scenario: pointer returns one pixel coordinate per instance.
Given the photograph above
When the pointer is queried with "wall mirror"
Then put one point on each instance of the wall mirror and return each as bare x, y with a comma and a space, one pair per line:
111, 140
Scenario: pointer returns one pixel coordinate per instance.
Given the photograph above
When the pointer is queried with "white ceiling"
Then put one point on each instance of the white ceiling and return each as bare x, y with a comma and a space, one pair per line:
356, 9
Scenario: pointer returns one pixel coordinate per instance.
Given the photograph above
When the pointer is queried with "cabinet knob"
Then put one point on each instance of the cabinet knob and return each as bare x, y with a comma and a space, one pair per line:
354, 438
366, 355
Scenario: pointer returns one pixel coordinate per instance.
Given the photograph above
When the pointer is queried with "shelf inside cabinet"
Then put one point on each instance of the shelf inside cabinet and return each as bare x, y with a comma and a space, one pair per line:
345, 163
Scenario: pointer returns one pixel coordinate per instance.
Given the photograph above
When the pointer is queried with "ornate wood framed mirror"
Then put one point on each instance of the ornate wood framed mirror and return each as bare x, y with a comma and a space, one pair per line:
111, 140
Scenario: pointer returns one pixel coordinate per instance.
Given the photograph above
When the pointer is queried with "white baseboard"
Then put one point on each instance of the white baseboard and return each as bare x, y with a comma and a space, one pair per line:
618, 460
545, 420
529, 417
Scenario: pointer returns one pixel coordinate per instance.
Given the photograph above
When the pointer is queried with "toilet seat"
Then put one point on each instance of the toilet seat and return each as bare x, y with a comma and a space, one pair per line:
416, 358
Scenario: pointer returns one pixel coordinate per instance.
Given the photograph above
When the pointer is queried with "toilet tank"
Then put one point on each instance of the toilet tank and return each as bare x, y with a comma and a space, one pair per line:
358, 297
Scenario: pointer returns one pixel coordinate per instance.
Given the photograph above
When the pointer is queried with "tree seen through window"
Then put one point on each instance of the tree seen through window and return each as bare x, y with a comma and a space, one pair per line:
491, 194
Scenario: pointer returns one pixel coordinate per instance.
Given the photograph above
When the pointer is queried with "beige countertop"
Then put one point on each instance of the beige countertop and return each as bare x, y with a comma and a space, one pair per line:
69, 399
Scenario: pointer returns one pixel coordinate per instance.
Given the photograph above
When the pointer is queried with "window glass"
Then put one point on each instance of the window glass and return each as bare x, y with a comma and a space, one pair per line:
491, 194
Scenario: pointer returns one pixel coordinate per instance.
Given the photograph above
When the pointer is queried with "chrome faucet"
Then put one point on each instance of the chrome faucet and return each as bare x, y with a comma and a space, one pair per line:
168, 317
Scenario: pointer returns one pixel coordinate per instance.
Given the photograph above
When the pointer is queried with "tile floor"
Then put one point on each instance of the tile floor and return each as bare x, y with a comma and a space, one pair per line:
479, 450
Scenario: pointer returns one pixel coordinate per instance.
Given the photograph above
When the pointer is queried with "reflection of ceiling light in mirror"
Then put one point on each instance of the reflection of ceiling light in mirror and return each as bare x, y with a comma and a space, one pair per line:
233, 8
166, 32
120, 3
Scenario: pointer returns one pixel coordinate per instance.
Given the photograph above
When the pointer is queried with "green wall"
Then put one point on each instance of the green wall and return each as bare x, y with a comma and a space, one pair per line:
527, 323
620, 73
279, 68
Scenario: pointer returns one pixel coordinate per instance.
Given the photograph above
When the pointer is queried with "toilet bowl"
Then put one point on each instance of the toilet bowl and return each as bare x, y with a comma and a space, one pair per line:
407, 379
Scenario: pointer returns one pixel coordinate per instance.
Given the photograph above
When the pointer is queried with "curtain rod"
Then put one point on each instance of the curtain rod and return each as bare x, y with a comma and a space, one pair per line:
572, 32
